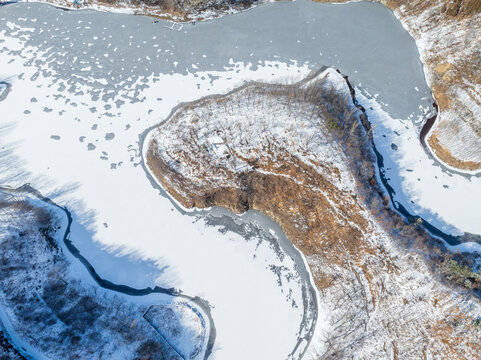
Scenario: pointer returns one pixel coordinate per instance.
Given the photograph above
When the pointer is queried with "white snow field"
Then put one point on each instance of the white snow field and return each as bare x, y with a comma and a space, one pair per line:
132, 235
187, 333
447, 199
83, 153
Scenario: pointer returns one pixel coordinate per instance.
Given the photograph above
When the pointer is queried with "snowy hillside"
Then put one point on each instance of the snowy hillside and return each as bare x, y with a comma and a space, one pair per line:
313, 262
299, 154
43, 287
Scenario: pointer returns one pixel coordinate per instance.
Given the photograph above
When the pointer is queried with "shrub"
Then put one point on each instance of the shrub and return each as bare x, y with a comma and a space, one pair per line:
461, 274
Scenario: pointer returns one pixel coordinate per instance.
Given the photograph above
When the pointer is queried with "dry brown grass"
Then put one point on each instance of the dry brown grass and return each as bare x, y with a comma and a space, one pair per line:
446, 156
308, 217
325, 223
446, 79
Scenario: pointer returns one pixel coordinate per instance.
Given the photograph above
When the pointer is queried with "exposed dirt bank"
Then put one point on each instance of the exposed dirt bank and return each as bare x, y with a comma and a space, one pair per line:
299, 154
428, 125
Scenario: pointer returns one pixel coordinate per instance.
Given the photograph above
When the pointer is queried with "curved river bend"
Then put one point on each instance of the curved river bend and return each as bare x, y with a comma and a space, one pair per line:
84, 85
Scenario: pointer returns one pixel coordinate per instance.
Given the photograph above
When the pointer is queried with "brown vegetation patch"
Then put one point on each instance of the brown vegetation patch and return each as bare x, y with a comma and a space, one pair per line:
461, 44
332, 227
444, 154
178, 9
316, 215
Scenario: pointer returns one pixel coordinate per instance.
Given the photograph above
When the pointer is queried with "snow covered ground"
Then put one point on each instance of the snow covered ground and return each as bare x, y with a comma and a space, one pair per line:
367, 308
448, 200
108, 310
85, 85
181, 325
234, 133
451, 69
76, 139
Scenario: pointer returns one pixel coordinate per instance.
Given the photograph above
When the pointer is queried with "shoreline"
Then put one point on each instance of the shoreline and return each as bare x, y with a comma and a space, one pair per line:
434, 237
182, 18
196, 209
170, 17
106, 284
145, 137
450, 240
430, 127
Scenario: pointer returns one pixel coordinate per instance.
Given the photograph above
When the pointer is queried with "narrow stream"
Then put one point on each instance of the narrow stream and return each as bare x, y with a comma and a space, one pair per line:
106, 284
